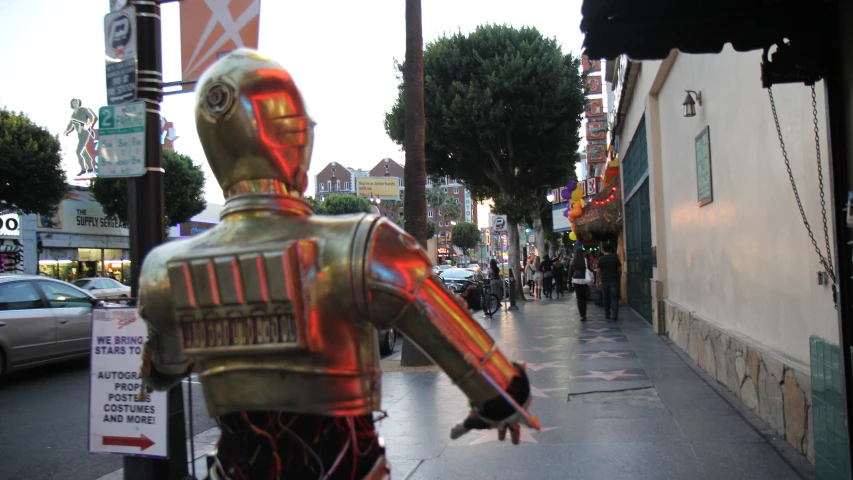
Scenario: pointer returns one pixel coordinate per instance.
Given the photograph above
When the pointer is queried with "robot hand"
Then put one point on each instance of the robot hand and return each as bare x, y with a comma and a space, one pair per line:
519, 391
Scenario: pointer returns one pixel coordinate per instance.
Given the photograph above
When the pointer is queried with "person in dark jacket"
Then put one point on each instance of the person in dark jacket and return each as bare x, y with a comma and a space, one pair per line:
558, 277
547, 275
578, 269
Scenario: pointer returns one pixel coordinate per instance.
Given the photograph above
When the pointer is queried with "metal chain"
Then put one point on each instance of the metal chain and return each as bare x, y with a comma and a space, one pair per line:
820, 184
825, 261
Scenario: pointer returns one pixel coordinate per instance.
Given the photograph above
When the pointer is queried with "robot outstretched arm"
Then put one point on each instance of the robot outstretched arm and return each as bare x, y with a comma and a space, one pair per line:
401, 291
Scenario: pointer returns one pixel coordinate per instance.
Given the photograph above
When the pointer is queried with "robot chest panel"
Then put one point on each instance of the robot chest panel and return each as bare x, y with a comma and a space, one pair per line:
230, 300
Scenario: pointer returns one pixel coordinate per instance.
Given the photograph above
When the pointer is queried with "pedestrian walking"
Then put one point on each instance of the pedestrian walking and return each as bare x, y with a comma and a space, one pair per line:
580, 279
547, 275
529, 270
537, 276
609, 275
559, 277
495, 278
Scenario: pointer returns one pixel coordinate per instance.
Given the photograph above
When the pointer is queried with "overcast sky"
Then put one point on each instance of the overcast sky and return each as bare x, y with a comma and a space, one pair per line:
340, 53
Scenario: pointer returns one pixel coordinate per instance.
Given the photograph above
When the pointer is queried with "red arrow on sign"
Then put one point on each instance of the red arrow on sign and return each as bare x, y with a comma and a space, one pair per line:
142, 442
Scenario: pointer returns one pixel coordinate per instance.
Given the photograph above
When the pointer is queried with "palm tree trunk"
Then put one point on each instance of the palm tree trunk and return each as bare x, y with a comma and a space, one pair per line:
514, 255
540, 235
414, 176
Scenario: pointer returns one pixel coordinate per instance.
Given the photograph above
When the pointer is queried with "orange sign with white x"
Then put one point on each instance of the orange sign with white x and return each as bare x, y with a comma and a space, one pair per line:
212, 28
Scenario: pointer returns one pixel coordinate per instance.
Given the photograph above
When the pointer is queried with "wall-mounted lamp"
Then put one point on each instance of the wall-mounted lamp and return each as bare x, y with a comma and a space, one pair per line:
690, 105
550, 197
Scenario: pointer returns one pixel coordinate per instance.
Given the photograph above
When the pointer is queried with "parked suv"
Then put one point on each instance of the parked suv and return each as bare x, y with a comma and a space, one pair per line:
42, 320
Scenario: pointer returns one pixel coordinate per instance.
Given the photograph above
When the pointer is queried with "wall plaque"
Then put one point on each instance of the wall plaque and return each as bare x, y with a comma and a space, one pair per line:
704, 181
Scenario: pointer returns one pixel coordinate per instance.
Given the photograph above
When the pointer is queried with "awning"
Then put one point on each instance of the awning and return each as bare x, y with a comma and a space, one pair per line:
650, 29
602, 216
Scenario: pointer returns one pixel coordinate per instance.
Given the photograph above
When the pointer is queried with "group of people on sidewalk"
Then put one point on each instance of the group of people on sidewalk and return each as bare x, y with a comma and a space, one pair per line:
543, 275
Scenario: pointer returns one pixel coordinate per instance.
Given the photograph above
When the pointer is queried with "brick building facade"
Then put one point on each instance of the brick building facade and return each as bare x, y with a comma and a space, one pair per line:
336, 178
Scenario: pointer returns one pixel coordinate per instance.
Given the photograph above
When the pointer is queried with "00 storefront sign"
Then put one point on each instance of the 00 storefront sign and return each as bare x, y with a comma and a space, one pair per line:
123, 419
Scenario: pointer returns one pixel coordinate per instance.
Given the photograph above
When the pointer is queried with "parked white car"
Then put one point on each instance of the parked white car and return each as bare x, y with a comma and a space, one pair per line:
103, 288
42, 320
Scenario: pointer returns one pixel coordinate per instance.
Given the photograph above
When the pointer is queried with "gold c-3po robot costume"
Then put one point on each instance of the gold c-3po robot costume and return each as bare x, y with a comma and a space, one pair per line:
277, 308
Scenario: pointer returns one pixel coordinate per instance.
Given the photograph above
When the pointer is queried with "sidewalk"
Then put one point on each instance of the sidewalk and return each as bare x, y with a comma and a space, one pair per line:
616, 402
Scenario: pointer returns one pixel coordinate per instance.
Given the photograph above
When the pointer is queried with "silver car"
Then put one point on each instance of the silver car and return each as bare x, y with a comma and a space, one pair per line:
42, 320
103, 287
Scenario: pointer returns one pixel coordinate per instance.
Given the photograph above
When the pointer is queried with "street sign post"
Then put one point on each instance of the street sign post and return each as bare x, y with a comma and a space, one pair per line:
121, 140
120, 420
121, 55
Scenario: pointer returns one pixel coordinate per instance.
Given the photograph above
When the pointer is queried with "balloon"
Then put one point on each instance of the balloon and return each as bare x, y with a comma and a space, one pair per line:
581, 202
566, 194
566, 213
572, 185
573, 237
577, 195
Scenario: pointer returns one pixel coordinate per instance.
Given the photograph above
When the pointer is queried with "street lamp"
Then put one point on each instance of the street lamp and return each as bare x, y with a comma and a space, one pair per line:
690, 105
550, 197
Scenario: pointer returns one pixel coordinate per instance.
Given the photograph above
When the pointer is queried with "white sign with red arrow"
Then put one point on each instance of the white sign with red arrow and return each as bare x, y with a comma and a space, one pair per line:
122, 420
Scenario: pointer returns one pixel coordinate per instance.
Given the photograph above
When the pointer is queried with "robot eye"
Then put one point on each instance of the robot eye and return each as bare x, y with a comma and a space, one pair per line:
218, 99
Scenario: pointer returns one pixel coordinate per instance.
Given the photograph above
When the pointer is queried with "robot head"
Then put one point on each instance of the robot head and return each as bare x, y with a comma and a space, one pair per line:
252, 122
75, 103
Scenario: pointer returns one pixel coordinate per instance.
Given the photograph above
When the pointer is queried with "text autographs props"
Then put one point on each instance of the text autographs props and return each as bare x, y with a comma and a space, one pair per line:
120, 419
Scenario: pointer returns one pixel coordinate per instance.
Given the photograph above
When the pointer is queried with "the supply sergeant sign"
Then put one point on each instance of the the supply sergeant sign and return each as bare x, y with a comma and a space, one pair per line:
120, 420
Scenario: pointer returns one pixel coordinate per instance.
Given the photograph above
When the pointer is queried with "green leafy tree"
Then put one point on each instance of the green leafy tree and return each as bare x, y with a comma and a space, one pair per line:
342, 204
31, 176
318, 207
503, 112
392, 205
440, 201
184, 190
430, 226
466, 236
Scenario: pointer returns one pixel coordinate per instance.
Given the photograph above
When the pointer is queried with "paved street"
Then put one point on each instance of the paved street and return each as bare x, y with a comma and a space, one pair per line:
44, 424
615, 402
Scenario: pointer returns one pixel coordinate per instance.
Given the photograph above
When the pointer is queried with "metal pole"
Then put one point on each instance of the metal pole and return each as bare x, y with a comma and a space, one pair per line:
839, 76
146, 207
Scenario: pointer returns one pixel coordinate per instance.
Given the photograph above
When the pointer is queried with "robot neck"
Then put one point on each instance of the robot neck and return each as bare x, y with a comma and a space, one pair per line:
264, 194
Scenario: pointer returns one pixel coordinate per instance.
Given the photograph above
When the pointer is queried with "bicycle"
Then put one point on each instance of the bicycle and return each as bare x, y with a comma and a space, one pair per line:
489, 302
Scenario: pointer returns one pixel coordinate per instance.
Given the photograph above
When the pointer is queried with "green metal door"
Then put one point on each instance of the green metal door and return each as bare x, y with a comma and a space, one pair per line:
638, 224
638, 252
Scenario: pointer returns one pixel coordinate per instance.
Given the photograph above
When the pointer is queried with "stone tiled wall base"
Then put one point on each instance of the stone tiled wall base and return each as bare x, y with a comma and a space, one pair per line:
658, 308
779, 394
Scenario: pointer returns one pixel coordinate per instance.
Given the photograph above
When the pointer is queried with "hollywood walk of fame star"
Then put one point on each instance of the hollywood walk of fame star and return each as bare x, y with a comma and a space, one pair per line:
599, 330
556, 328
547, 349
602, 354
609, 376
539, 366
526, 436
599, 339
543, 392
540, 337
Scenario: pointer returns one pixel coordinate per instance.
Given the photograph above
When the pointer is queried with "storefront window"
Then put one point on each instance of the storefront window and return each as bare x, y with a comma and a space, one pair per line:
125, 272
59, 269
49, 268
89, 263
113, 264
